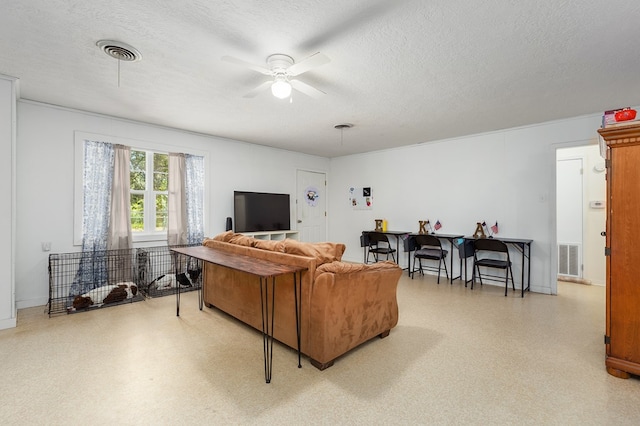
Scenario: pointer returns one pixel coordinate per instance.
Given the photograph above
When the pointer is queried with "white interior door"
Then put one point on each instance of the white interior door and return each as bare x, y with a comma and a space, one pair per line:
569, 216
311, 206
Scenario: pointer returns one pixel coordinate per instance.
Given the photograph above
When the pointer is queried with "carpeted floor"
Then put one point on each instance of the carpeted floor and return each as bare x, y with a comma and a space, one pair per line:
457, 356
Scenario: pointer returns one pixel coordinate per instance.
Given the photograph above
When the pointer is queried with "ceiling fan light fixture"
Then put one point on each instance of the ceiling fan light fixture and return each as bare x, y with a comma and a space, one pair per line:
281, 88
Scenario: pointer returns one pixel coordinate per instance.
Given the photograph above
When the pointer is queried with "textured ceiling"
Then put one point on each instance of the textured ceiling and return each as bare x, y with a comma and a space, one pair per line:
402, 72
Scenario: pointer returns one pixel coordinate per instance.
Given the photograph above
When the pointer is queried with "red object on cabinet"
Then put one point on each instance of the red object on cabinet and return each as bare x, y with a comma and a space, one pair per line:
625, 114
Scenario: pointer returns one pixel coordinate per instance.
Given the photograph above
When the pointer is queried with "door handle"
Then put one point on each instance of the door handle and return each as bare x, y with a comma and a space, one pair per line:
299, 221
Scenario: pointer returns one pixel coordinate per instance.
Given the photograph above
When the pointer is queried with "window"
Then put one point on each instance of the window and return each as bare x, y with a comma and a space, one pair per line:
149, 186
149, 192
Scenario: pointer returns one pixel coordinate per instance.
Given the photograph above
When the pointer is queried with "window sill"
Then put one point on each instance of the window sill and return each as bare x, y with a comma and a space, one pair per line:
143, 238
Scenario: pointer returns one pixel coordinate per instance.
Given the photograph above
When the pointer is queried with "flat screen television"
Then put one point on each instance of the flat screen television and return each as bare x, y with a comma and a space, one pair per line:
260, 211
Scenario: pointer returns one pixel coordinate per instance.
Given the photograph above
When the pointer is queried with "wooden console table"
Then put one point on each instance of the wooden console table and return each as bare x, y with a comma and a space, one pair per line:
267, 272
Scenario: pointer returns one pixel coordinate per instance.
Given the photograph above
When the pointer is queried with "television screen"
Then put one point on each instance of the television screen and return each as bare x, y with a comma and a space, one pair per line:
260, 211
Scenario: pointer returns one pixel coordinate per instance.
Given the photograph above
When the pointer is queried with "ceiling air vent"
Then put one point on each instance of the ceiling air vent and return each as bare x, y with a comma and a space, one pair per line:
120, 51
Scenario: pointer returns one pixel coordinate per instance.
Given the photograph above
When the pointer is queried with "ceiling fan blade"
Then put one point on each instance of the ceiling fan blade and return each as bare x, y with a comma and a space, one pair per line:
260, 88
236, 61
312, 61
353, 22
306, 89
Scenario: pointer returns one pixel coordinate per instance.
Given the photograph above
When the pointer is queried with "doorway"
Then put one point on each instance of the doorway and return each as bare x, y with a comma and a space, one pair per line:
580, 214
311, 206
569, 191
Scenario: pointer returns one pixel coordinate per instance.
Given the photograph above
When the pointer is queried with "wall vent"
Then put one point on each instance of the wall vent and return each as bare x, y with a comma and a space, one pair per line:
569, 259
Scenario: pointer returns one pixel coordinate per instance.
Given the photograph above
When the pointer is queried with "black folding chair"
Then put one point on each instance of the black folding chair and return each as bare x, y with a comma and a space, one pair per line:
379, 244
492, 253
429, 247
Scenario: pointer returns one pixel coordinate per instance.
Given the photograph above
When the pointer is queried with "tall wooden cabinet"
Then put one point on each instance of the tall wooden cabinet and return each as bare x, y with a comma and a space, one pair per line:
622, 338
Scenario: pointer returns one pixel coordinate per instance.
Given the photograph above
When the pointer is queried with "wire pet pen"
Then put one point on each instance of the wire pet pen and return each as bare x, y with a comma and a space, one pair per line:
159, 275
112, 277
87, 280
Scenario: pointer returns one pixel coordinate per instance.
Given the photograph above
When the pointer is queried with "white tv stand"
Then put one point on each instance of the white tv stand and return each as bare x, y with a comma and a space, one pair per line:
272, 235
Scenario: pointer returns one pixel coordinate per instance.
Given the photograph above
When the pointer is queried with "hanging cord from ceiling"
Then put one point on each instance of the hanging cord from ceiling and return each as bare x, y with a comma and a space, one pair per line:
120, 51
341, 127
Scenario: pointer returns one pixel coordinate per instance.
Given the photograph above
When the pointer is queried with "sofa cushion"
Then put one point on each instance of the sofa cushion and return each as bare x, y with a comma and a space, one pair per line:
242, 240
209, 242
322, 252
224, 237
346, 268
271, 245
233, 238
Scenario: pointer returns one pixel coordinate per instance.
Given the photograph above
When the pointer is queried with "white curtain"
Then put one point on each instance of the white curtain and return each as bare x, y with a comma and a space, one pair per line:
106, 223
194, 198
186, 199
97, 179
177, 209
120, 235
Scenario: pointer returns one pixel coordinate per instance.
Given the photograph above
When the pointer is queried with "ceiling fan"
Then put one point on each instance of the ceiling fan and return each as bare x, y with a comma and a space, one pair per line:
281, 68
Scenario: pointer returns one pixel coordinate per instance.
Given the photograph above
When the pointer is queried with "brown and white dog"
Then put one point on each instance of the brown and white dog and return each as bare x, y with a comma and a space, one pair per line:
110, 293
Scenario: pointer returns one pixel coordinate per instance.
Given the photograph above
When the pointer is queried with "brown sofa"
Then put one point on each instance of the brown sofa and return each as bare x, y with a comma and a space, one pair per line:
343, 304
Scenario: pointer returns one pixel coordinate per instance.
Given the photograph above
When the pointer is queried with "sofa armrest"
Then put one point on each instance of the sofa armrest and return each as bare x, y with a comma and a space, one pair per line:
350, 307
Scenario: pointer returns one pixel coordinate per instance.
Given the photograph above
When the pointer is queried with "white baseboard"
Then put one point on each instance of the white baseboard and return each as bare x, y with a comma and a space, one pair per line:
540, 289
30, 303
7, 323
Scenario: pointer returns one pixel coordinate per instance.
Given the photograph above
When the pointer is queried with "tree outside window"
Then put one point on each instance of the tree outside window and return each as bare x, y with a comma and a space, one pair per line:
149, 191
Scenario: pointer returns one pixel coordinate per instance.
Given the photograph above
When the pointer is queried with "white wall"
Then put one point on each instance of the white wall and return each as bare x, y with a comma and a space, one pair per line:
7, 207
45, 180
506, 176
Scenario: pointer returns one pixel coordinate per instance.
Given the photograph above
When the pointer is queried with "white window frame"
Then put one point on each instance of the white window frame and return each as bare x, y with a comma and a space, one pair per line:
138, 145
150, 213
